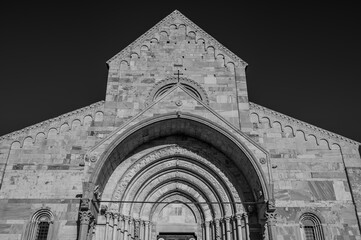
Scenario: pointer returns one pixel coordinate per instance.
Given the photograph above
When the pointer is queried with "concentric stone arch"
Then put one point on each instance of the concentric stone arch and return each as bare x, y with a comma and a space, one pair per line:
103, 168
214, 166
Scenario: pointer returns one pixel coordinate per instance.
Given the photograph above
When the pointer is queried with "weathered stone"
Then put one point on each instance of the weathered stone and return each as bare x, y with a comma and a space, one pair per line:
177, 147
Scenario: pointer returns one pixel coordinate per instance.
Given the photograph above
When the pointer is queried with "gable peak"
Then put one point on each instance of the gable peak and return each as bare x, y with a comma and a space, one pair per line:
177, 18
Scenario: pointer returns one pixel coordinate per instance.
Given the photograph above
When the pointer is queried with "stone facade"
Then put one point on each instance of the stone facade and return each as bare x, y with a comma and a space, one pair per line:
177, 148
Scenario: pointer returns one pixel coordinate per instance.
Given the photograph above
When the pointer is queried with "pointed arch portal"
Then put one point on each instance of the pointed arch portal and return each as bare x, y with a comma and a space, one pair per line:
179, 174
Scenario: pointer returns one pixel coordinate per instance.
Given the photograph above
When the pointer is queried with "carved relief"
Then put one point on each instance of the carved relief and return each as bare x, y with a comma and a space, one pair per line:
271, 218
127, 182
85, 217
186, 178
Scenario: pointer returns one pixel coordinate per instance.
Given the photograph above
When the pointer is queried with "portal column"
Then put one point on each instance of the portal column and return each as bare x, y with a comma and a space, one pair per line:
107, 220
239, 226
141, 230
150, 231
223, 228
126, 227
85, 218
213, 231
217, 229
234, 228
131, 229
136, 229
207, 229
91, 230
146, 230
228, 228
246, 226
203, 231
270, 224
121, 228
115, 225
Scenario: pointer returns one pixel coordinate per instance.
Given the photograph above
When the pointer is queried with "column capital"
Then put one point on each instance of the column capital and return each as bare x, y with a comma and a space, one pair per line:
103, 209
238, 216
116, 215
271, 218
85, 217
227, 218
108, 215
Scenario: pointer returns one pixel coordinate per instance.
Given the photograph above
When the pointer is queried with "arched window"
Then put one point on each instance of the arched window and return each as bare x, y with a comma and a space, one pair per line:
191, 87
40, 225
311, 227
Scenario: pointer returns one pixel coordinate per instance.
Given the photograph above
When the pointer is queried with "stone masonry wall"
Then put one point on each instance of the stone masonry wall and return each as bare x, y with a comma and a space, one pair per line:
176, 46
43, 165
309, 176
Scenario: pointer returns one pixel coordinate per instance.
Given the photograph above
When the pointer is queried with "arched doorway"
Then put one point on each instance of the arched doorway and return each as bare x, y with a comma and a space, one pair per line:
181, 177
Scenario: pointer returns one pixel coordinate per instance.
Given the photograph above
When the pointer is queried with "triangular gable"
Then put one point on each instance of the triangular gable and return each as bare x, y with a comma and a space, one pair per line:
176, 18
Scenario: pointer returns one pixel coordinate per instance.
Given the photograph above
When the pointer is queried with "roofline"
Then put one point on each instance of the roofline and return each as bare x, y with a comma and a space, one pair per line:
40, 124
303, 124
175, 13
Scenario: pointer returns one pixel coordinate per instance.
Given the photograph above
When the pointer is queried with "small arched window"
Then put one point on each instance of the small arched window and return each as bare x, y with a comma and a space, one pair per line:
40, 225
191, 87
311, 227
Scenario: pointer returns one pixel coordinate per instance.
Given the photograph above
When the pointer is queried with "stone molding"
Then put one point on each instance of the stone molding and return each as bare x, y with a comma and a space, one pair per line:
113, 142
303, 126
162, 153
76, 113
127, 51
174, 80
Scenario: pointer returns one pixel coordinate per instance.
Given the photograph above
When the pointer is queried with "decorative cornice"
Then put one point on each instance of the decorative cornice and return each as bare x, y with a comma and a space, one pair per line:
59, 118
167, 20
302, 125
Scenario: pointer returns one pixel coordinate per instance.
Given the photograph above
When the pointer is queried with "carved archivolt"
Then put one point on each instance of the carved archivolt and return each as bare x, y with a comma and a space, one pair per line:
181, 187
174, 168
179, 177
161, 154
176, 198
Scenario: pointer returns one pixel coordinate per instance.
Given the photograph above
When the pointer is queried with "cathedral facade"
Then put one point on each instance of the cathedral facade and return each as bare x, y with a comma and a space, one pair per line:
176, 151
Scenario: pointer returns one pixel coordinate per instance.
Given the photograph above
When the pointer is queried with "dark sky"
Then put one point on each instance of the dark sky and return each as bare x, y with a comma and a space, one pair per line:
304, 59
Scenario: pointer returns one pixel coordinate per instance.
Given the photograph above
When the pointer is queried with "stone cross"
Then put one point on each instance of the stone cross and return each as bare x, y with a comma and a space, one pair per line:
178, 74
